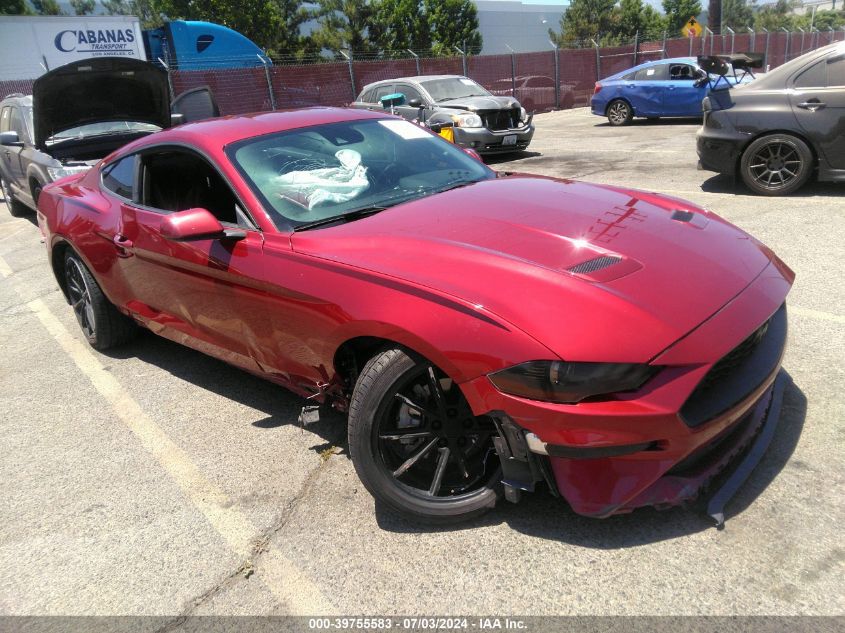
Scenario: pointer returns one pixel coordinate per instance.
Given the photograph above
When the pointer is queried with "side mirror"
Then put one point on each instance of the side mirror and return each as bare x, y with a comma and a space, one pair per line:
415, 103
10, 139
196, 224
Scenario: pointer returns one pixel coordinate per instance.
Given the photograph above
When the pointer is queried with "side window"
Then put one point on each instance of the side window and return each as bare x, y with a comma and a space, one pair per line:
119, 177
382, 91
630, 76
410, 92
5, 115
681, 72
177, 180
367, 97
814, 77
653, 73
836, 72
16, 123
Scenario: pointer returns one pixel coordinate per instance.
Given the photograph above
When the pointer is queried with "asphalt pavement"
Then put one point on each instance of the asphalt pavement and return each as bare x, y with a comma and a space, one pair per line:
155, 480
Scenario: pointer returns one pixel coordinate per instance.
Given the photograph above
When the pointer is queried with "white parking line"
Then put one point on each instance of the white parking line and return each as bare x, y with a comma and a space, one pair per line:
816, 314
277, 572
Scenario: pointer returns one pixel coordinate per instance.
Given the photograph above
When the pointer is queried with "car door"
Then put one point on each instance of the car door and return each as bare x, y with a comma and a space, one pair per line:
818, 101
681, 97
407, 111
645, 91
204, 293
13, 121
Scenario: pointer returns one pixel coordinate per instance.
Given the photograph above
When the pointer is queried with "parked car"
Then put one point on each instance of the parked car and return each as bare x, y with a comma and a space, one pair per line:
782, 129
535, 91
79, 113
483, 122
479, 338
664, 88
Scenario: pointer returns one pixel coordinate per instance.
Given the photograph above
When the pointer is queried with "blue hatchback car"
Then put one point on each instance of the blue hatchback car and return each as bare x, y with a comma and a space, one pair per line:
662, 88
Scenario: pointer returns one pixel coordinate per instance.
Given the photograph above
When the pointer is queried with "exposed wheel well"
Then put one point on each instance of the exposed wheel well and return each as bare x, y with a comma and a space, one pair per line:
34, 185
770, 133
352, 355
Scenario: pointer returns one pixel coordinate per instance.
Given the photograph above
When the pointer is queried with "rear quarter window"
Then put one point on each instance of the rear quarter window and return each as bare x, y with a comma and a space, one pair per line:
119, 177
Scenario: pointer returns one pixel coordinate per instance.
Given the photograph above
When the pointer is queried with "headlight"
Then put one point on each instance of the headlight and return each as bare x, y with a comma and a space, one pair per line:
568, 383
65, 170
467, 120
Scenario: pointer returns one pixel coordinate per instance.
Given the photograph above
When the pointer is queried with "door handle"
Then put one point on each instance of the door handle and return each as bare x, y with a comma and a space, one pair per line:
122, 244
812, 105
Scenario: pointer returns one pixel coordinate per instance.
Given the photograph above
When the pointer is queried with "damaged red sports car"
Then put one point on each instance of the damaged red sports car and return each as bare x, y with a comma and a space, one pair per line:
486, 332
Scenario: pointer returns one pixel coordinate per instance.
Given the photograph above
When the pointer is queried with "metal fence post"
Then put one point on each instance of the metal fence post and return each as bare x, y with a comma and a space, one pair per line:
557, 76
464, 59
802, 40
169, 78
706, 31
416, 59
753, 39
663, 49
598, 60
766, 52
733, 37
636, 46
832, 34
690, 46
513, 71
788, 37
269, 81
351, 73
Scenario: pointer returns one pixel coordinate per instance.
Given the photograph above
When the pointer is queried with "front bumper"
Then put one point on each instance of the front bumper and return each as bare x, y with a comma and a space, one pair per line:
485, 141
649, 447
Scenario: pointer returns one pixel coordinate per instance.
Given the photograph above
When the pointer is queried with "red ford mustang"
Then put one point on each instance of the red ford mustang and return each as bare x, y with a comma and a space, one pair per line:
486, 332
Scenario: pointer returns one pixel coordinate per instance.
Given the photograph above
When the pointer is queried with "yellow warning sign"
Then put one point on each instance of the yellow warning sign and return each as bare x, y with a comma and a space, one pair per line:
691, 28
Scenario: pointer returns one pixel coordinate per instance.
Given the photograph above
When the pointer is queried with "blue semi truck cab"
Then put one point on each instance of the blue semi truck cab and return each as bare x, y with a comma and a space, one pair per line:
195, 45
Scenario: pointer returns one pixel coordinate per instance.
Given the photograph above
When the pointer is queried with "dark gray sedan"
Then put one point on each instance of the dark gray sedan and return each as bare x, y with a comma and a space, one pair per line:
781, 129
482, 121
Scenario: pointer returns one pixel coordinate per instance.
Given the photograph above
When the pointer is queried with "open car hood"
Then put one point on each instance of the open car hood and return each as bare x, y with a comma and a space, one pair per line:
97, 90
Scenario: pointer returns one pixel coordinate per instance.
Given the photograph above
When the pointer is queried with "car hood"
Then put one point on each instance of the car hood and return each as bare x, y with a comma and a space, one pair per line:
97, 90
592, 272
474, 104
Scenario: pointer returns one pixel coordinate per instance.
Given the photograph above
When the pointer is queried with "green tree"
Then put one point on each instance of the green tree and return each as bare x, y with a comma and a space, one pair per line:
634, 16
453, 23
584, 19
736, 13
400, 24
47, 7
83, 7
342, 24
824, 20
678, 12
776, 16
14, 7
143, 9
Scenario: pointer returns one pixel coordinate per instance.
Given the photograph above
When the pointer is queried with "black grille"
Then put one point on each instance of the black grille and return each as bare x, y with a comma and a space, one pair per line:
738, 373
500, 119
592, 265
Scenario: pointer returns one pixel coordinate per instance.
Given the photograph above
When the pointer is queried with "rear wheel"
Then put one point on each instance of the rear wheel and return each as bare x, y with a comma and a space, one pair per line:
416, 445
776, 164
100, 321
619, 112
15, 207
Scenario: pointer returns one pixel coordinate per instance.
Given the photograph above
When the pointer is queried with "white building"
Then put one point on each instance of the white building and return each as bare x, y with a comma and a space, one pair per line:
521, 25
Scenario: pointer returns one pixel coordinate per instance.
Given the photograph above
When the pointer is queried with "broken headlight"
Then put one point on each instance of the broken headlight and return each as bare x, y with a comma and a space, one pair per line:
467, 120
568, 383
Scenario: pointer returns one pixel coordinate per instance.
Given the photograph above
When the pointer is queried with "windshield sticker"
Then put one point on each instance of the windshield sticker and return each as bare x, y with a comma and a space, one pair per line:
407, 131
468, 82
649, 72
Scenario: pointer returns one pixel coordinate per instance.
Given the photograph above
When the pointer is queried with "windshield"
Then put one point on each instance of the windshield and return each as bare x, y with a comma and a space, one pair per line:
453, 88
102, 128
310, 174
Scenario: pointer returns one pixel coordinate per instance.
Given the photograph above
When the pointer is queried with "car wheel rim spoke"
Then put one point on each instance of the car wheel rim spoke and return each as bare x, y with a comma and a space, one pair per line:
429, 441
775, 165
80, 298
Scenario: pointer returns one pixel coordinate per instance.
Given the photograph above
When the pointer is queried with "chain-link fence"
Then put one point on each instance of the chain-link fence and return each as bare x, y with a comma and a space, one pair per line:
541, 81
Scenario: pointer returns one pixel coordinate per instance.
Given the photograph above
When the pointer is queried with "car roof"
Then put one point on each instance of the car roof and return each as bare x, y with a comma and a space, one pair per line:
776, 78
215, 134
670, 60
415, 79
20, 99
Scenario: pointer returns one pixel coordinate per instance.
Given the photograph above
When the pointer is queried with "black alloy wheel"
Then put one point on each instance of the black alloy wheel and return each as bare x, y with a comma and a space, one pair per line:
417, 446
776, 164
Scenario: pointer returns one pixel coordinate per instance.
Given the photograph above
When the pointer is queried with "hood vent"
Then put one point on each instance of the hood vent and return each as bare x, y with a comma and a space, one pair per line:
682, 216
592, 265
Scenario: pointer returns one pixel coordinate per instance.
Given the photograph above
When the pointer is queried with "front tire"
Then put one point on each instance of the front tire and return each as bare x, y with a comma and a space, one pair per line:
776, 164
415, 444
619, 112
100, 321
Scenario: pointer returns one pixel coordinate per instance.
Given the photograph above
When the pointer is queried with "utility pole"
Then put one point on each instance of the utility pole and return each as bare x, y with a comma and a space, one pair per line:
714, 16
